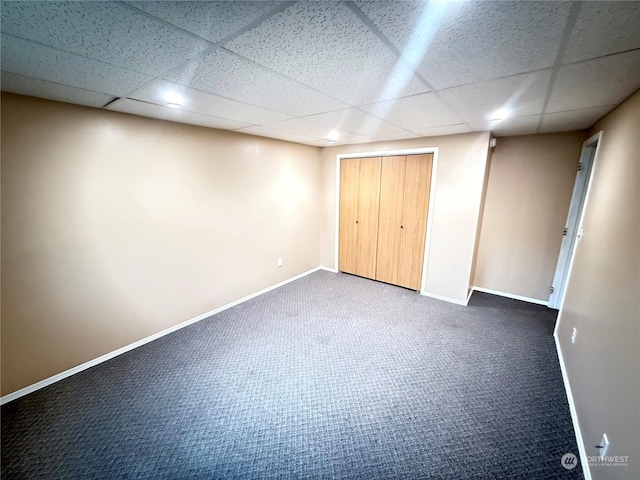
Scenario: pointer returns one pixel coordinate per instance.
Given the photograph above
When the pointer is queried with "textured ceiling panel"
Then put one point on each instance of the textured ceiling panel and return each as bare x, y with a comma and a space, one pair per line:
355, 139
594, 83
105, 31
603, 28
397, 135
227, 75
456, 43
144, 109
280, 134
324, 45
296, 70
350, 140
353, 121
416, 112
573, 119
44, 63
211, 20
301, 126
444, 130
52, 91
521, 95
511, 126
206, 103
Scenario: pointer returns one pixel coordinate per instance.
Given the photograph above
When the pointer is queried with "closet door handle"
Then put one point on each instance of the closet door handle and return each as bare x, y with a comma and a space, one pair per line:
356, 221
401, 226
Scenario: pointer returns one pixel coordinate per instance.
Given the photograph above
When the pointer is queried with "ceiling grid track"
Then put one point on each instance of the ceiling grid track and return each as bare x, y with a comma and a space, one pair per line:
213, 45
248, 60
562, 48
289, 67
376, 31
220, 46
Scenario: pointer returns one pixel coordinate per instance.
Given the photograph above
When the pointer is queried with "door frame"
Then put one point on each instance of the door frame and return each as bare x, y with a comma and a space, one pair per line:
432, 192
575, 217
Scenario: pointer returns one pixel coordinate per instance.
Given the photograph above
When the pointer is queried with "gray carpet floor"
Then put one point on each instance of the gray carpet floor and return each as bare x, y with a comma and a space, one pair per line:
330, 376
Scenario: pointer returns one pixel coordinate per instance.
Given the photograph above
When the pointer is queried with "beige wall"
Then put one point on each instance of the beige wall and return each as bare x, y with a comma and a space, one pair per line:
460, 176
528, 195
603, 298
483, 201
116, 227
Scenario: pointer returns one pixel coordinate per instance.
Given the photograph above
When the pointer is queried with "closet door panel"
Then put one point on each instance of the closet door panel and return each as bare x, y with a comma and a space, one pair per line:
390, 218
368, 207
348, 228
414, 220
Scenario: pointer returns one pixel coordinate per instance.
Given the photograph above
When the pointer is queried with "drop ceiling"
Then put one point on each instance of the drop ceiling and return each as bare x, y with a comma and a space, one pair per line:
372, 71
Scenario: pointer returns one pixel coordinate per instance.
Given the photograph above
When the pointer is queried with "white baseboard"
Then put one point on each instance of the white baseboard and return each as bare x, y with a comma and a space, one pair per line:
91, 363
332, 270
469, 296
511, 295
446, 299
574, 414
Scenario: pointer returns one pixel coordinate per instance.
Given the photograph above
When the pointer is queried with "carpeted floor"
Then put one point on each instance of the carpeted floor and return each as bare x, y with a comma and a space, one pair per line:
331, 376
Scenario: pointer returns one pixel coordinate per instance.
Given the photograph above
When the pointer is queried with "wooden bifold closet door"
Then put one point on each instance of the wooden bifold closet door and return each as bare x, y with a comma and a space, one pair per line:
359, 202
384, 204
413, 229
390, 219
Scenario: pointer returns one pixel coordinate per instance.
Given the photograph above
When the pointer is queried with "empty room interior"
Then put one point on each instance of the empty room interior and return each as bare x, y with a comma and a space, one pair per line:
320, 239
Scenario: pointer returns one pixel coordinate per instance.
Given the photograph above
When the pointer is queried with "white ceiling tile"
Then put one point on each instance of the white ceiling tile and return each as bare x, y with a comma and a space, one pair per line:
355, 139
444, 130
593, 83
103, 49
397, 135
354, 121
412, 113
207, 103
573, 119
211, 20
320, 143
144, 109
455, 43
106, 31
263, 131
227, 75
44, 63
302, 126
603, 28
324, 45
521, 95
53, 91
511, 126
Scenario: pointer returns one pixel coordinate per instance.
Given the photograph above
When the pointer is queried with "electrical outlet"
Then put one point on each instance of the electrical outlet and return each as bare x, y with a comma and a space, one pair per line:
280, 261
604, 446
573, 335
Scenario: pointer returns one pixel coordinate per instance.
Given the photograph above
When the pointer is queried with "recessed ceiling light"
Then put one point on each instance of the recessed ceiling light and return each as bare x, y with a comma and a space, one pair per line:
333, 136
500, 115
173, 99
331, 142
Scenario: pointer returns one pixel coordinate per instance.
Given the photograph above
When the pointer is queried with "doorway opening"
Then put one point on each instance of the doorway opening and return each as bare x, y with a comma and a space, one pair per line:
573, 227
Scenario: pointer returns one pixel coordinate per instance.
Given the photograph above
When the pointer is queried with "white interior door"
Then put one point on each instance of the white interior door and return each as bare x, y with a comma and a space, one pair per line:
573, 225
